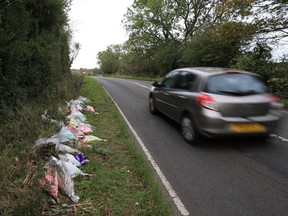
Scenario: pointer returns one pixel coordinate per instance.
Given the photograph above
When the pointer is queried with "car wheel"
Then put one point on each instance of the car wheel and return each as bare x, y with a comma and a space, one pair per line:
152, 106
262, 138
189, 133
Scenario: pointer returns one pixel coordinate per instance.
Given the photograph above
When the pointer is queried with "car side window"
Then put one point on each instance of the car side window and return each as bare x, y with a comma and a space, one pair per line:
171, 80
185, 80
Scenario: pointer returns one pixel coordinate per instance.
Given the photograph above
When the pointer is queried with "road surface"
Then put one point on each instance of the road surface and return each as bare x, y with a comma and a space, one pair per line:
215, 178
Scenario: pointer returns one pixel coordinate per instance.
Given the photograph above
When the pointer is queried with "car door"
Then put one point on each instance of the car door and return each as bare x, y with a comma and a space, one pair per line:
175, 92
178, 98
164, 92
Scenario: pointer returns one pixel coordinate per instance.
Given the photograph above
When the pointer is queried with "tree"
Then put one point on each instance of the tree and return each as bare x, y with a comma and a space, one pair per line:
179, 20
221, 43
108, 60
161, 29
257, 60
205, 32
75, 47
271, 16
167, 56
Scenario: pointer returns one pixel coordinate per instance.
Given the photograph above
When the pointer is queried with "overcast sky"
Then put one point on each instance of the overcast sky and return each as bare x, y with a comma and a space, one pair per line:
97, 24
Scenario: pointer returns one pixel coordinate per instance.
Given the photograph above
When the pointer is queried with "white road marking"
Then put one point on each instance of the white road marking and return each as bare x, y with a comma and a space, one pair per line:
284, 111
142, 86
165, 182
279, 137
138, 84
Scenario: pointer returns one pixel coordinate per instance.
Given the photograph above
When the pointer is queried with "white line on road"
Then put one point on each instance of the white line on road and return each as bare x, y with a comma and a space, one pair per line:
138, 84
284, 111
279, 137
142, 86
165, 182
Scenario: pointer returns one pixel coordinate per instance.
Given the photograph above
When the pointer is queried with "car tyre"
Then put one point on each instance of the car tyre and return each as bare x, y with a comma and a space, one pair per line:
263, 138
188, 131
152, 106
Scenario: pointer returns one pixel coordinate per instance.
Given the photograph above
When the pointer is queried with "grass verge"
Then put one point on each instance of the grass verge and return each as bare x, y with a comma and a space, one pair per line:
121, 181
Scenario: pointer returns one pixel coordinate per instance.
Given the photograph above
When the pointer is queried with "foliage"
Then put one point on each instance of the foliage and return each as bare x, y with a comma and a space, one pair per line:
75, 47
256, 61
153, 21
271, 17
109, 59
34, 54
278, 82
166, 56
217, 46
158, 28
259, 61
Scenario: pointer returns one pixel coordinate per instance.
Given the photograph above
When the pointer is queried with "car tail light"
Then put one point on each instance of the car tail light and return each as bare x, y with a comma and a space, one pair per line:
274, 98
275, 104
207, 102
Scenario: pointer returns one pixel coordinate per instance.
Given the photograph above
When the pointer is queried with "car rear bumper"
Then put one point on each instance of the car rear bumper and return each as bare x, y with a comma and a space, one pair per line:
214, 125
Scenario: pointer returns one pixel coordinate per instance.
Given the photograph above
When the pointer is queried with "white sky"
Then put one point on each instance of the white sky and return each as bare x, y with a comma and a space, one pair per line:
96, 25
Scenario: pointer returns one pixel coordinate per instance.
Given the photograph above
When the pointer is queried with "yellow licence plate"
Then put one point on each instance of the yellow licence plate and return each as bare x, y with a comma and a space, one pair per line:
248, 128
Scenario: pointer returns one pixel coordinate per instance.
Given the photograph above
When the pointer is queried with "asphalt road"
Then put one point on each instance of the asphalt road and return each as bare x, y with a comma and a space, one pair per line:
217, 177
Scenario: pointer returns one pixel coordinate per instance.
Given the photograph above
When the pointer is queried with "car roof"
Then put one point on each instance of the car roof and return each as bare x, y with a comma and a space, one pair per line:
207, 71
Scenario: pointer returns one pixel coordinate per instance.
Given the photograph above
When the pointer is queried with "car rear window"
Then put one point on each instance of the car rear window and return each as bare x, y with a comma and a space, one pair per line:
235, 84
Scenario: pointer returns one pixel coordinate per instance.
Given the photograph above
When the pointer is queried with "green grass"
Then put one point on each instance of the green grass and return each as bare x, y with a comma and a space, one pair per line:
285, 103
122, 182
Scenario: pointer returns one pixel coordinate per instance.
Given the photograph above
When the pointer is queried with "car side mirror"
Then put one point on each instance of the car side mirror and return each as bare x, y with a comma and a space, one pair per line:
156, 84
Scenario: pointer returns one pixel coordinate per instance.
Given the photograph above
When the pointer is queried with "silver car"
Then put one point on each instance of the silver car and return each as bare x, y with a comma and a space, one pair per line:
213, 102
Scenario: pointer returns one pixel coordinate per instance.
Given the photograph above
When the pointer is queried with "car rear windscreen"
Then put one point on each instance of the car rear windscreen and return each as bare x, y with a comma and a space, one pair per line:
236, 84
